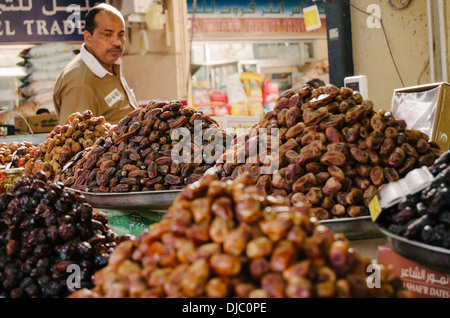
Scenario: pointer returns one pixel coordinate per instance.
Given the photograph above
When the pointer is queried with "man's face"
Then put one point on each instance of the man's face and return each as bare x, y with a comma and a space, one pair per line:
108, 39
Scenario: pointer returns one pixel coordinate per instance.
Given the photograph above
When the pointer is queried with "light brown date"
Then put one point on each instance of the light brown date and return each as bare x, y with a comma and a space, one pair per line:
355, 211
259, 247
293, 116
391, 174
334, 135
225, 264
377, 176
305, 183
334, 158
315, 195
295, 130
359, 155
315, 117
397, 157
331, 187
283, 256
375, 140
387, 146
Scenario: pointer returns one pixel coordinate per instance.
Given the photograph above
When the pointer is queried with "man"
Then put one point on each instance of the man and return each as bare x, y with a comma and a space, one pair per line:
93, 79
316, 83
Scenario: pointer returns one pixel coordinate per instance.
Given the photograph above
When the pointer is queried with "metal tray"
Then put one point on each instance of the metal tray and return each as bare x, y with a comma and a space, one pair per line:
434, 257
131, 201
354, 228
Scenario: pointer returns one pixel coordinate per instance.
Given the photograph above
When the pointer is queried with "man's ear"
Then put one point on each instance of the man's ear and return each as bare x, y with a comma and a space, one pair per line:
87, 37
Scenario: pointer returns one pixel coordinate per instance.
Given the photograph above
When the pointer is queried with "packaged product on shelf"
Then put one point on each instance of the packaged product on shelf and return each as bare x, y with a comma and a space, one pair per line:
270, 95
47, 50
37, 87
253, 88
219, 103
335, 152
239, 108
220, 109
44, 63
201, 99
163, 146
237, 97
226, 239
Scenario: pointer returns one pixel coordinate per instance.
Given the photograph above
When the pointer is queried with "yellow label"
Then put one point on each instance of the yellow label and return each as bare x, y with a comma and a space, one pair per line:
375, 209
312, 18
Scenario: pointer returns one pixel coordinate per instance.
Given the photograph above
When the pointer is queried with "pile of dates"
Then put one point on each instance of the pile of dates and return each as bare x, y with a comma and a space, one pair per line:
138, 153
335, 152
65, 142
45, 229
16, 153
425, 216
225, 239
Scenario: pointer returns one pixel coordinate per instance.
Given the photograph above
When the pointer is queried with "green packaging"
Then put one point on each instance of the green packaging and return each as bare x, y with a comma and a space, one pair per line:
132, 222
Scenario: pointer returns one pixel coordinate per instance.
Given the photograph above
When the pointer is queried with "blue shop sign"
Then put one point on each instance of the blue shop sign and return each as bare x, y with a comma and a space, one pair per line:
37, 21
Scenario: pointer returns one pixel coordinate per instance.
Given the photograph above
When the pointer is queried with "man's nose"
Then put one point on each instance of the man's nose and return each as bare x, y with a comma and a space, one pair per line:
118, 41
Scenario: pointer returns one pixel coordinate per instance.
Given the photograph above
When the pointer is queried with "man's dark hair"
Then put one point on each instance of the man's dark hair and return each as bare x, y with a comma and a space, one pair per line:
316, 83
90, 16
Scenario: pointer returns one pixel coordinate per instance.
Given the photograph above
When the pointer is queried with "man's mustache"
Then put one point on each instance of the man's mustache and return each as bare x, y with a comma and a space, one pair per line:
115, 48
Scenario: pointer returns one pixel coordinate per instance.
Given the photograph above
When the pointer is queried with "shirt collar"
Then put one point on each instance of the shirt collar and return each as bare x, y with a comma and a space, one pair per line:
93, 64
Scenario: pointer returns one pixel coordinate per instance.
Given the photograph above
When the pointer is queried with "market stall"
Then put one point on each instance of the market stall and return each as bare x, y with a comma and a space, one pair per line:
128, 172
322, 194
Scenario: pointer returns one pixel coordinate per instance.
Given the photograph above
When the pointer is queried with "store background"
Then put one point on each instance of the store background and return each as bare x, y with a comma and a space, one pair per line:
407, 33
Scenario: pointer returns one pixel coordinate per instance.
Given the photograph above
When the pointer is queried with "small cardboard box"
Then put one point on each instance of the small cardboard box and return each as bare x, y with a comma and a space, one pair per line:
421, 280
43, 123
20, 124
425, 108
39, 123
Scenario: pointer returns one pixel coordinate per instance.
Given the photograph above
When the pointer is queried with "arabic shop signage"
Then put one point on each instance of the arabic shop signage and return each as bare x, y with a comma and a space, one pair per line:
252, 8
253, 18
37, 21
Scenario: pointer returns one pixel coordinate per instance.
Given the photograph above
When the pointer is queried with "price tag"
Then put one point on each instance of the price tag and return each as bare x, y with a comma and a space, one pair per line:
312, 18
374, 208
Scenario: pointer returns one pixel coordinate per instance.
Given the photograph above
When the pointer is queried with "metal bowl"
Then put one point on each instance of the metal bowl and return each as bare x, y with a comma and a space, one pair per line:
354, 228
131, 201
434, 257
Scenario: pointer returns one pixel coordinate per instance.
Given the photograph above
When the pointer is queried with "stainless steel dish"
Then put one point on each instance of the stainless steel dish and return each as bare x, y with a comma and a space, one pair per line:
434, 257
354, 228
131, 201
